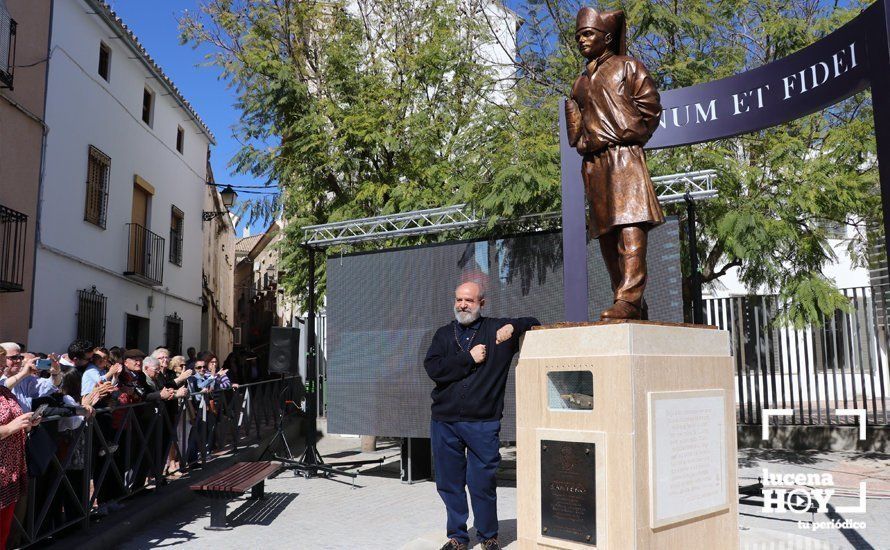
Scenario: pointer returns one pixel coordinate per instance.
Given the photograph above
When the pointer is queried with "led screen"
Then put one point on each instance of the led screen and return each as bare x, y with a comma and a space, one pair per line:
384, 307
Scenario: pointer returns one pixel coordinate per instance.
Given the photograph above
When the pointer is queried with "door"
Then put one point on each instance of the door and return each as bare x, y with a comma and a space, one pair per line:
139, 230
136, 334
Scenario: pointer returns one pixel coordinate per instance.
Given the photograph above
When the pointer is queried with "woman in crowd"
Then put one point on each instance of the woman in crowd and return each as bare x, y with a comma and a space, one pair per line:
221, 379
13, 472
186, 411
177, 365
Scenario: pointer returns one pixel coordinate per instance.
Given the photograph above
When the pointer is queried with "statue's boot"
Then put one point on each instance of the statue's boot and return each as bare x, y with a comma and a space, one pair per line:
624, 252
622, 310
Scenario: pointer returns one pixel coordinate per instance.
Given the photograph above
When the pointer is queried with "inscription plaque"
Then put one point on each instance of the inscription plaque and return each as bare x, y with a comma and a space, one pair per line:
568, 491
687, 455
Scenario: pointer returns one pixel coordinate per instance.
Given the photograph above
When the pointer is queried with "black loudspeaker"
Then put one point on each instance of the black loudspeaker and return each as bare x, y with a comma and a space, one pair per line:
416, 459
284, 350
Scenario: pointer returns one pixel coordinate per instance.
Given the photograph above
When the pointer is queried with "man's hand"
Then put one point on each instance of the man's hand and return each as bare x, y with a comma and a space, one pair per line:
113, 371
55, 368
29, 367
182, 392
166, 393
504, 334
478, 353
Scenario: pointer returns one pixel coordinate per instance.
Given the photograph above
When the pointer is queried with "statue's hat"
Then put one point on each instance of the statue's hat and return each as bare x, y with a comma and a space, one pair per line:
605, 21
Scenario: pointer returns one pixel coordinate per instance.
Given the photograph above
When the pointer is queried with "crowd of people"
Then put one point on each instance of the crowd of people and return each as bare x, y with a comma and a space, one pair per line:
45, 400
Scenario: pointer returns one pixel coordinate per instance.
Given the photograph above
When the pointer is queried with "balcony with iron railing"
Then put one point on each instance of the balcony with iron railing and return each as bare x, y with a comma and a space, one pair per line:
145, 255
13, 235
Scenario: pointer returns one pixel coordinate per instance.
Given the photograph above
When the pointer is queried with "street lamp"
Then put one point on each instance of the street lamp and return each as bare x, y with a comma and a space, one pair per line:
228, 197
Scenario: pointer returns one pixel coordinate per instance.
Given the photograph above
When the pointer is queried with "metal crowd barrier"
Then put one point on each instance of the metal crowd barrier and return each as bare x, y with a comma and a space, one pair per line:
125, 447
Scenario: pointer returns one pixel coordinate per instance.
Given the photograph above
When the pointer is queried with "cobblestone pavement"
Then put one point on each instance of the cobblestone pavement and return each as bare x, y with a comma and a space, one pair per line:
383, 513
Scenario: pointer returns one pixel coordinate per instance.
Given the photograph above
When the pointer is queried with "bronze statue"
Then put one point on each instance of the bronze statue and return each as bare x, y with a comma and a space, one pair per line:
613, 111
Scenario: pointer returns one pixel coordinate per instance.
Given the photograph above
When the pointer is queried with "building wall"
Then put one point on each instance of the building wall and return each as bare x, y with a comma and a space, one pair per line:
82, 110
21, 140
219, 275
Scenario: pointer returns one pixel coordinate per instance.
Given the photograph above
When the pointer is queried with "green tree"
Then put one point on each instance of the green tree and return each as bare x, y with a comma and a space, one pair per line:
386, 108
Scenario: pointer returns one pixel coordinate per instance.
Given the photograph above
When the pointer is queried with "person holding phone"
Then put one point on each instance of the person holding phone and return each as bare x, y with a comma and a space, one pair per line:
14, 424
21, 377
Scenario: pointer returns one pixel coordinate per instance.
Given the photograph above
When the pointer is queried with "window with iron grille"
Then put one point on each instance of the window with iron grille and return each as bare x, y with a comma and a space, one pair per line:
176, 229
13, 233
7, 47
98, 171
173, 338
91, 306
104, 60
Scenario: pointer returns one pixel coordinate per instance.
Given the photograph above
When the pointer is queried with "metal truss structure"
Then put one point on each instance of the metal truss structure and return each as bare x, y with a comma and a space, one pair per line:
687, 185
670, 189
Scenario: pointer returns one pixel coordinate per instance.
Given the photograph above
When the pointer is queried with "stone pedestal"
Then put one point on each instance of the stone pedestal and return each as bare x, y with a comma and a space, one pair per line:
626, 438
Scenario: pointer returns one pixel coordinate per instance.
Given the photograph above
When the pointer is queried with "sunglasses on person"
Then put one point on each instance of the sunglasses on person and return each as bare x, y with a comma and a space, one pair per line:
15, 357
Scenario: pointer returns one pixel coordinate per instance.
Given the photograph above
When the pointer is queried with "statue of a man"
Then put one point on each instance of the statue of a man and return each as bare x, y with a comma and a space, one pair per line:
613, 111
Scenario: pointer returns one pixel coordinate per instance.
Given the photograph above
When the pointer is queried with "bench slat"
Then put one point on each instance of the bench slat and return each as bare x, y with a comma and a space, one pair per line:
237, 478
233, 476
222, 478
256, 478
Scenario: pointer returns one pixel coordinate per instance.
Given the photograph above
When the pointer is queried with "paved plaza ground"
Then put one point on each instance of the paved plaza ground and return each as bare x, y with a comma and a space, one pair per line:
381, 512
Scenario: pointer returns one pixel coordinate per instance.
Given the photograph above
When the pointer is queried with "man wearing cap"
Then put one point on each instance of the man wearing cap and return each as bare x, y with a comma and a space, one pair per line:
613, 111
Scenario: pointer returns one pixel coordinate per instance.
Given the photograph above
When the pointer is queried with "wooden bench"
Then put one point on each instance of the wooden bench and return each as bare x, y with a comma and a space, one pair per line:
231, 483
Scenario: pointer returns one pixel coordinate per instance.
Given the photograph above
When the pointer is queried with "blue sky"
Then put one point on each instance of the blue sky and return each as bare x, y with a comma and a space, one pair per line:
155, 23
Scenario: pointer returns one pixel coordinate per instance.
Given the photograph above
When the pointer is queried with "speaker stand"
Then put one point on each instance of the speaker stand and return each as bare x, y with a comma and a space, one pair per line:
311, 464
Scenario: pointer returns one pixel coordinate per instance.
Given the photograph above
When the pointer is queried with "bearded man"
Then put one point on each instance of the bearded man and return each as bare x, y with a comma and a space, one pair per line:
469, 360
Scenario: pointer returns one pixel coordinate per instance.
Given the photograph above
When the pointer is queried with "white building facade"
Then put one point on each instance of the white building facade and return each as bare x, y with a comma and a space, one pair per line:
119, 254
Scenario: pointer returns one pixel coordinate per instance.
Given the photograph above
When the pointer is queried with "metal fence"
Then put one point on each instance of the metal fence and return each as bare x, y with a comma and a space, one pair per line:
814, 371
113, 455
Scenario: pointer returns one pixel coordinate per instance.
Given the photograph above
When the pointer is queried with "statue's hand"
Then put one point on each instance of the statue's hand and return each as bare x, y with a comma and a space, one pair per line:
581, 146
574, 123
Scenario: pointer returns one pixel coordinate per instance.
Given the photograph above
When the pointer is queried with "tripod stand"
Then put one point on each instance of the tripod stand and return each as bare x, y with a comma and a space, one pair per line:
310, 463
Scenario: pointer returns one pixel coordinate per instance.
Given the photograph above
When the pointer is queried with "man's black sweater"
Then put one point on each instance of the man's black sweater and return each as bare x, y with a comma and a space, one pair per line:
464, 390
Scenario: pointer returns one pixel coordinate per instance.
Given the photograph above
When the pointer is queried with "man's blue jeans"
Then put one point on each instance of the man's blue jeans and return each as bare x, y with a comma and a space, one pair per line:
467, 454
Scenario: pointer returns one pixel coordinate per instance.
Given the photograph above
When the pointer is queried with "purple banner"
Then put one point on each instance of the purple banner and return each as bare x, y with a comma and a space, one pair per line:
807, 81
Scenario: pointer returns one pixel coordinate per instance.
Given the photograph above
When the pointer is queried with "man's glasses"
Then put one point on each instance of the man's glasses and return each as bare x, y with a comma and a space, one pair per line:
15, 357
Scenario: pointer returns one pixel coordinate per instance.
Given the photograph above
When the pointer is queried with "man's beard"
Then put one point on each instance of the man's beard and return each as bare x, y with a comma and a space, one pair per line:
467, 317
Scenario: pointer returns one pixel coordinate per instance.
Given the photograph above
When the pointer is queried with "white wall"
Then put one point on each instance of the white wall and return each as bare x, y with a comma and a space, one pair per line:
82, 110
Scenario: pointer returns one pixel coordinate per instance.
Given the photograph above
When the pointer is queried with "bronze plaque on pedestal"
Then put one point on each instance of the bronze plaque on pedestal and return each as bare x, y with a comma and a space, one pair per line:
568, 491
